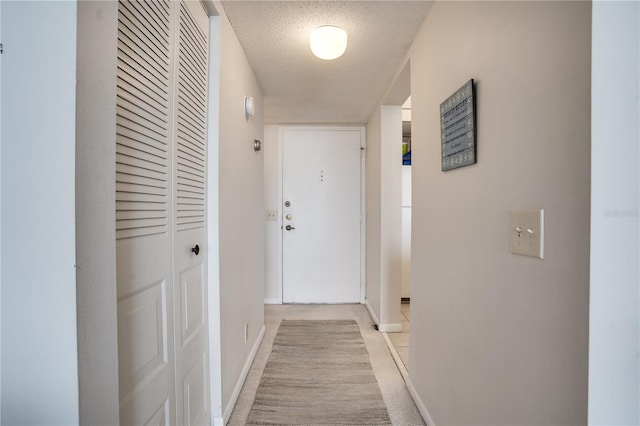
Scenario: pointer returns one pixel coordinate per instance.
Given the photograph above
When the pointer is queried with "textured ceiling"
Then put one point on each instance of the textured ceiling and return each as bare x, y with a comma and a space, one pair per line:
300, 88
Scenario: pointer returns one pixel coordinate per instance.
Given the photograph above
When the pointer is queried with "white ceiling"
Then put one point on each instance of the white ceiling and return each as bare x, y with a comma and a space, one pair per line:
300, 88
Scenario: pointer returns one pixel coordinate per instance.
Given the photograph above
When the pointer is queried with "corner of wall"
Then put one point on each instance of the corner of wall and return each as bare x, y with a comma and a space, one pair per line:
419, 403
95, 204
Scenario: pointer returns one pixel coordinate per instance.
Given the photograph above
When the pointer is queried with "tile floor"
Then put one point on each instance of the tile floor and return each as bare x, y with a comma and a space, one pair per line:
400, 341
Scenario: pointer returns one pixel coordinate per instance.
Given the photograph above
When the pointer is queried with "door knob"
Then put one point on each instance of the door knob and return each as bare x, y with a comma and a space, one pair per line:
196, 249
289, 227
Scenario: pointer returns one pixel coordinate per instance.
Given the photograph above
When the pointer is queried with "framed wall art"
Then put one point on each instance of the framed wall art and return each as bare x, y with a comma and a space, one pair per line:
458, 128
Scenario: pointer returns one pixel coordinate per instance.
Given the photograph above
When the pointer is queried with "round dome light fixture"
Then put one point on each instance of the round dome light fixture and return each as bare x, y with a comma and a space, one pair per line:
328, 42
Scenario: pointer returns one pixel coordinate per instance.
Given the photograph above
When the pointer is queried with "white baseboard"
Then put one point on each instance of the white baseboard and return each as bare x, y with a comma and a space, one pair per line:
396, 357
421, 407
390, 328
384, 328
217, 421
272, 302
243, 376
372, 314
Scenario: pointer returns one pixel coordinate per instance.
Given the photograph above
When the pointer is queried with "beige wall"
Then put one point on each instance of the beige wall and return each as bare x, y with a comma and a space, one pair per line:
96, 212
241, 212
384, 215
273, 261
498, 338
373, 182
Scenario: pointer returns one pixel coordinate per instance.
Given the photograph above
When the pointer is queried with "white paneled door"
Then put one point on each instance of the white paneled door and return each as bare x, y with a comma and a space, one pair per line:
160, 198
321, 196
191, 340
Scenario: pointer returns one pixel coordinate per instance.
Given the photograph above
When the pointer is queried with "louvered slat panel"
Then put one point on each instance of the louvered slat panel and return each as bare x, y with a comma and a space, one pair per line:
140, 180
140, 159
128, 68
188, 92
191, 110
191, 142
190, 176
197, 130
157, 35
191, 158
132, 206
134, 166
139, 214
190, 84
141, 198
142, 118
130, 138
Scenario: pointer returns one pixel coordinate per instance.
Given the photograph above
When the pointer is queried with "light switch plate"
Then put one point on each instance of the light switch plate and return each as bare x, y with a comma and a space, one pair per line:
527, 232
272, 215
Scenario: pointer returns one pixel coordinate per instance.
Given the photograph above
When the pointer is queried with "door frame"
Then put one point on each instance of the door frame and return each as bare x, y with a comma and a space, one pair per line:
363, 216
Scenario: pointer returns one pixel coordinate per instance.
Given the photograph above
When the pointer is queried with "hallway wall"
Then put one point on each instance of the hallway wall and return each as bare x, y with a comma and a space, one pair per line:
384, 215
273, 263
373, 199
97, 35
39, 335
241, 213
498, 338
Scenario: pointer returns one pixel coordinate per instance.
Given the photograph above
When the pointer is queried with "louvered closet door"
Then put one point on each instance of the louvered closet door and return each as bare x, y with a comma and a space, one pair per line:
162, 333
143, 212
190, 177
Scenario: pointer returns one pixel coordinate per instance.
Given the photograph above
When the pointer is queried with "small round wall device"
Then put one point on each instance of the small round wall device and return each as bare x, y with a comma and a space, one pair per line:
249, 108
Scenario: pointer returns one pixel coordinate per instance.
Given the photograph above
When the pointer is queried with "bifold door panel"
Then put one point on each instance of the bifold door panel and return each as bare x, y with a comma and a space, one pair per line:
160, 210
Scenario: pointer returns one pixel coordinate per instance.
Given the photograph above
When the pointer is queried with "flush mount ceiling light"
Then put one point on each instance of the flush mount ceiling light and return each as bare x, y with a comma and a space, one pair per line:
328, 42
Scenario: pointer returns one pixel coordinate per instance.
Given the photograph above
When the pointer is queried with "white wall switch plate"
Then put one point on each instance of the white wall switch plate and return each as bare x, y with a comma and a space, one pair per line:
272, 215
527, 232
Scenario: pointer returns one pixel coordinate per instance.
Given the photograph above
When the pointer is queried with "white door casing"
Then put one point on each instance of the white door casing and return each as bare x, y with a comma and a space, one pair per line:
321, 179
160, 187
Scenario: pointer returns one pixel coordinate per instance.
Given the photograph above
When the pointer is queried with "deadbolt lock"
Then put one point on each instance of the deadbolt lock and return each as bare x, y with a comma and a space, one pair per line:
287, 204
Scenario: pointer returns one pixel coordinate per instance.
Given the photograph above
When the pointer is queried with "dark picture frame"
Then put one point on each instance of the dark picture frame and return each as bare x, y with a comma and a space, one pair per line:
458, 128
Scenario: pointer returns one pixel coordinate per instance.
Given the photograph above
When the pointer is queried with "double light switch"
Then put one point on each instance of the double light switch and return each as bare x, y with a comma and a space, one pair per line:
527, 232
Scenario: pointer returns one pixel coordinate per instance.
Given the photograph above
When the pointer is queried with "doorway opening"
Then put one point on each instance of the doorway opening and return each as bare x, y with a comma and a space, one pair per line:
400, 340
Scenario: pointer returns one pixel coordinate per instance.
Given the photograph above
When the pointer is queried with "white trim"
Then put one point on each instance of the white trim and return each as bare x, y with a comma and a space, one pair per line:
363, 215
217, 421
243, 376
396, 357
272, 302
213, 231
280, 219
419, 404
390, 328
372, 314
384, 328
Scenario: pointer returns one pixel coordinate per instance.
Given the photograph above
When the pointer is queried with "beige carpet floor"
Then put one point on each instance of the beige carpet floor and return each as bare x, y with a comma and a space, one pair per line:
400, 406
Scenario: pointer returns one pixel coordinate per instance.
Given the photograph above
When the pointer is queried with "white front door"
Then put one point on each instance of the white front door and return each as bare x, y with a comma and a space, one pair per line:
321, 215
